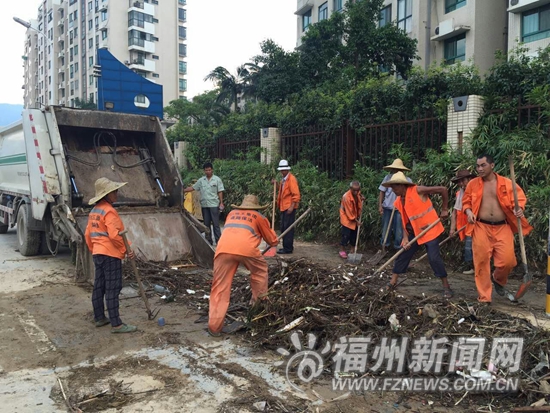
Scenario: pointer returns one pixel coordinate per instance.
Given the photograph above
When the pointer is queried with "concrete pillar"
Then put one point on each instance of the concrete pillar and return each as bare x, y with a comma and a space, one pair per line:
462, 118
270, 140
180, 149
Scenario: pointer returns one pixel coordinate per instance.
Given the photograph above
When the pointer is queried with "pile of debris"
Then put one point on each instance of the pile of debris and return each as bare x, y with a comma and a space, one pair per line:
349, 302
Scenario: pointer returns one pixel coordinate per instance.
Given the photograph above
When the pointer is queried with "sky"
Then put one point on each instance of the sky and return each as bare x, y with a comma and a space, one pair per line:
219, 33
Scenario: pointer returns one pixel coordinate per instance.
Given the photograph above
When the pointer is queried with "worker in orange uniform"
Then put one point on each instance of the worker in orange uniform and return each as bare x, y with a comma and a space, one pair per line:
244, 229
459, 219
108, 250
417, 213
492, 222
350, 216
287, 201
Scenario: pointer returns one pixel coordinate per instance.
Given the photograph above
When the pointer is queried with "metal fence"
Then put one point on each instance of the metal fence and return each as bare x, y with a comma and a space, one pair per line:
234, 149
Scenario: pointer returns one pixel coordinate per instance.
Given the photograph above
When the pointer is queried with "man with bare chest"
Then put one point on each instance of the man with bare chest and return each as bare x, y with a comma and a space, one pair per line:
492, 221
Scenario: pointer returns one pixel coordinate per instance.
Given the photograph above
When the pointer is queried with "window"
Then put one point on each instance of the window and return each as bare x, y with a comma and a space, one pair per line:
155, 2
182, 14
91, 79
90, 43
182, 49
535, 24
76, 67
404, 15
452, 5
103, 15
306, 20
155, 75
103, 34
90, 61
90, 6
338, 5
455, 49
385, 16
182, 2
323, 11
90, 24
76, 50
71, 71
96, 22
91, 98
182, 32
183, 85
182, 68
155, 57
136, 18
76, 85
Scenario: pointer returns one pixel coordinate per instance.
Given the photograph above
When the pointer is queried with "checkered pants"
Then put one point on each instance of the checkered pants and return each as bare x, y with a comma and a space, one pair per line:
108, 283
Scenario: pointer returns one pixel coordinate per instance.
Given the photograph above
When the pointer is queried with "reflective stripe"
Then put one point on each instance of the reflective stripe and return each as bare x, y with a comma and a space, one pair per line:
421, 214
242, 226
99, 234
98, 211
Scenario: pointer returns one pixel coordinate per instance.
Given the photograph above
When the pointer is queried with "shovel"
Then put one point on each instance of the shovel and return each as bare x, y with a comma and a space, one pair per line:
355, 258
398, 253
382, 253
150, 314
289, 228
527, 278
442, 242
271, 252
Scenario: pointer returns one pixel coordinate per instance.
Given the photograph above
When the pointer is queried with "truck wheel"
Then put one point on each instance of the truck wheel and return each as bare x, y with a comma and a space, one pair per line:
29, 241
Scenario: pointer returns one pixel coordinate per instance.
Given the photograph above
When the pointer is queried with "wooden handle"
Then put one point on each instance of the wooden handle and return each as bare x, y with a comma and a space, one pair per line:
389, 227
136, 273
274, 201
398, 253
442, 242
289, 228
516, 207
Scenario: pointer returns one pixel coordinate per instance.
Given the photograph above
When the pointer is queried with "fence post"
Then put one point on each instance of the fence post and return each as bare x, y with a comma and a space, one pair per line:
349, 140
462, 118
270, 142
180, 148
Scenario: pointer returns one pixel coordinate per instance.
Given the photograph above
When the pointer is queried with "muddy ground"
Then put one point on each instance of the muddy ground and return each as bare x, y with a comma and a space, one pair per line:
53, 359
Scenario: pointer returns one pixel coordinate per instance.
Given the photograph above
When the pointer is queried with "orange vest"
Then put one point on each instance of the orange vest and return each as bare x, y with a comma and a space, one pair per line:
102, 231
350, 210
461, 220
505, 195
420, 214
242, 233
290, 193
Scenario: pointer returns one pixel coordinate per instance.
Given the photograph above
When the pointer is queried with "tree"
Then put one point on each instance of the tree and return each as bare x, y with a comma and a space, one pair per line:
84, 104
232, 87
204, 110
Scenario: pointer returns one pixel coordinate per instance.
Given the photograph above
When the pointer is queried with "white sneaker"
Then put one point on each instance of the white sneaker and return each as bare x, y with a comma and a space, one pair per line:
469, 272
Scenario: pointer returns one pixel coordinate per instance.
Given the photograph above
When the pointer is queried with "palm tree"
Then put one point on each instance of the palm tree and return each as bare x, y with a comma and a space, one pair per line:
230, 86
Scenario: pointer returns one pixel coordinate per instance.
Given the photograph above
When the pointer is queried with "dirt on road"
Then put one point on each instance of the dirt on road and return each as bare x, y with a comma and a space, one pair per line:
53, 358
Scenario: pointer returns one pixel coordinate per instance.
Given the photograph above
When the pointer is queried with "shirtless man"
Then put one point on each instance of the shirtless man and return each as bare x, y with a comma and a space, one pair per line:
492, 222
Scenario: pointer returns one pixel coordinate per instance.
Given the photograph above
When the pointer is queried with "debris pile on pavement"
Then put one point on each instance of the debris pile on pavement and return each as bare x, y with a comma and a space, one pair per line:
348, 302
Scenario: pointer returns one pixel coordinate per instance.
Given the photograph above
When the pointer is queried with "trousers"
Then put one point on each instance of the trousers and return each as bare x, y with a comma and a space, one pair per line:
107, 284
396, 228
349, 236
286, 221
434, 257
225, 267
496, 241
211, 216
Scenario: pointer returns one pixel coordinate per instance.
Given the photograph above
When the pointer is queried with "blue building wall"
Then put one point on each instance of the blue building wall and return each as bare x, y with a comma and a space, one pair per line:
120, 85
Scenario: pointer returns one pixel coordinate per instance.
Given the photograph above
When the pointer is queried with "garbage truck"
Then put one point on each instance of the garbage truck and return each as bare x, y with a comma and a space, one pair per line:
49, 162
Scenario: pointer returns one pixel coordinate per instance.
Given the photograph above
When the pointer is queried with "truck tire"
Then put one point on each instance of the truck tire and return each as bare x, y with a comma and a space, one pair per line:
29, 241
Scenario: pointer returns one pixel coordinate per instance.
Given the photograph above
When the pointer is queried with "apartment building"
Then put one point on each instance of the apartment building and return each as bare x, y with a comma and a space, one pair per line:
458, 30
529, 23
149, 36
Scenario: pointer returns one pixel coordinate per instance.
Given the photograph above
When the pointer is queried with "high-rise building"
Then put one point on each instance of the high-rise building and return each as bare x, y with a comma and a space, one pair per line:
529, 23
458, 30
149, 36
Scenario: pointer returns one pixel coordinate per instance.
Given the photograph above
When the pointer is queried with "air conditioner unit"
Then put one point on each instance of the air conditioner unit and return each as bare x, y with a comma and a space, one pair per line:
126, 62
437, 30
136, 4
514, 2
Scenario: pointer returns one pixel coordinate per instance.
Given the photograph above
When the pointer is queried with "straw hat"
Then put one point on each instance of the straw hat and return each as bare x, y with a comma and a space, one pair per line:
397, 178
398, 165
463, 173
104, 186
250, 202
283, 165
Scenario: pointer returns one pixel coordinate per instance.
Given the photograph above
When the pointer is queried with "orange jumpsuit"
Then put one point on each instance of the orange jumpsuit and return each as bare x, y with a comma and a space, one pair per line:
102, 231
290, 193
496, 241
242, 234
461, 220
350, 209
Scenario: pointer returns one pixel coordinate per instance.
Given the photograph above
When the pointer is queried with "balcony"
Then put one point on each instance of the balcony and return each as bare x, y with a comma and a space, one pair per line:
61, 38
141, 45
303, 7
142, 64
103, 7
447, 29
61, 54
61, 85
